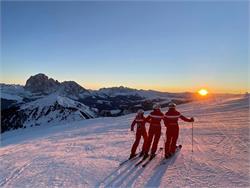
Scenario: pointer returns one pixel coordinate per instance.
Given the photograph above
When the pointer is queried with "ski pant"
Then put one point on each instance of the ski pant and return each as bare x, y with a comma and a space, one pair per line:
154, 135
172, 134
139, 133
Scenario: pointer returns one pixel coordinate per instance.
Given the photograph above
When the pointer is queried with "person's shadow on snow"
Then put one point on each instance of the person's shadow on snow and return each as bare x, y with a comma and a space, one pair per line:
117, 178
155, 179
129, 178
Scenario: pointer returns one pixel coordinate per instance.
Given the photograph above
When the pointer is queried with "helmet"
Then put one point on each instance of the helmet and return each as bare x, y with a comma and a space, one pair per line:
156, 106
171, 105
140, 111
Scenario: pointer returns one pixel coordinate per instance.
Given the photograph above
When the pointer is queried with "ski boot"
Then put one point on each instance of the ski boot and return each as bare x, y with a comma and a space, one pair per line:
141, 154
131, 156
145, 156
168, 155
152, 156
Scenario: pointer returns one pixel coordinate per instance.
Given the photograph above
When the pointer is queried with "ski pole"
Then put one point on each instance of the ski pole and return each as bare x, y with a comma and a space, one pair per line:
192, 136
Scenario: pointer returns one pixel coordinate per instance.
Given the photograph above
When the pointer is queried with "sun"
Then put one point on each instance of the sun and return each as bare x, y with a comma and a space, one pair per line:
203, 92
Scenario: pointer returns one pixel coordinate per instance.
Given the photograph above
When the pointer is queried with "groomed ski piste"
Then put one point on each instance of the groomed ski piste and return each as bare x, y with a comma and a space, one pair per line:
88, 153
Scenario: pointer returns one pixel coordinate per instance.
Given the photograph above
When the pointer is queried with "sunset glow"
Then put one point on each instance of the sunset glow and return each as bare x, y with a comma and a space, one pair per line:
203, 92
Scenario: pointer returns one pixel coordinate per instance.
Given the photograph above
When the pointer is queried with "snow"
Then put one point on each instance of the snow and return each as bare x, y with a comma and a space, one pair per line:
13, 92
51, 99
115, 111
87, 153
44, 111
11, 97
103, 102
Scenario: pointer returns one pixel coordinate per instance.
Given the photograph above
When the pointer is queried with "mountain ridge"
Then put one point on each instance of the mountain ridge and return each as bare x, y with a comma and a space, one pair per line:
40, 90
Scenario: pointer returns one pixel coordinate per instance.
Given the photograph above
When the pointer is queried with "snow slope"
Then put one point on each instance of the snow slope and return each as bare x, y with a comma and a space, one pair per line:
13, 92
49, 110
54, 109
87, 153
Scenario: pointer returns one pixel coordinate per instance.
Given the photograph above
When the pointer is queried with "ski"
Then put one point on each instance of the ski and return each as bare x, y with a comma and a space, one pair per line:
141, 161
125, 161
148, 161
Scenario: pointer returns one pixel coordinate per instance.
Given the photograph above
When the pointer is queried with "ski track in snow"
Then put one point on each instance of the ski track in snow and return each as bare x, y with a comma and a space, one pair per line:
87, 153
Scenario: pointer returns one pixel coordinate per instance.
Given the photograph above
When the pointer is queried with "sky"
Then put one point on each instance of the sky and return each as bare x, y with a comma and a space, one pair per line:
166, 46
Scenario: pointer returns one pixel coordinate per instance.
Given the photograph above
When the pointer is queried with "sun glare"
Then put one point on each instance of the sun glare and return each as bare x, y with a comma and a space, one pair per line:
203, 92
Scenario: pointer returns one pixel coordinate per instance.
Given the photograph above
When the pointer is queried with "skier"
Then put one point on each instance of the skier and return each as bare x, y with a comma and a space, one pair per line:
154, 133
140, 120
171, 122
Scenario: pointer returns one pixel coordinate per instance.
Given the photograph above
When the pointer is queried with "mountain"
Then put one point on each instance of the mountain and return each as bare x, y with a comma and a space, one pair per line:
13, 94
23, 106
117, 91
144, 94
52, 109
129, 100
73, 90
40, 84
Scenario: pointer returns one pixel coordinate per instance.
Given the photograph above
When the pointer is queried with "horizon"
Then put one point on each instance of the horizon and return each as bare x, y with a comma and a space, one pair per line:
161, 46
117, 86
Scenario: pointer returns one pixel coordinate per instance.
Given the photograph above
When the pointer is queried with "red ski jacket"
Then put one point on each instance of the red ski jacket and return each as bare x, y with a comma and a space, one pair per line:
140, 121
172, 116
155, 117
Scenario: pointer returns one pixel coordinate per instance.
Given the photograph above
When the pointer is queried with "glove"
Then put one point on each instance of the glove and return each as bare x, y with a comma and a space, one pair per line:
192, 119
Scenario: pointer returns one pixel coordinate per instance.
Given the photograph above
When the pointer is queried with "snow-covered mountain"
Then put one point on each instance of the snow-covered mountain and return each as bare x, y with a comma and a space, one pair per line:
23, 106
40, 85
129, 100
144, 94
117, 91
14, 92
51, 109
73, 90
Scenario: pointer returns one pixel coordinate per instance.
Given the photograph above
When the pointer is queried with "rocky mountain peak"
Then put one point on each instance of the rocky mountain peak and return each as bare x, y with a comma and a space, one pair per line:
72, 88
40, 83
